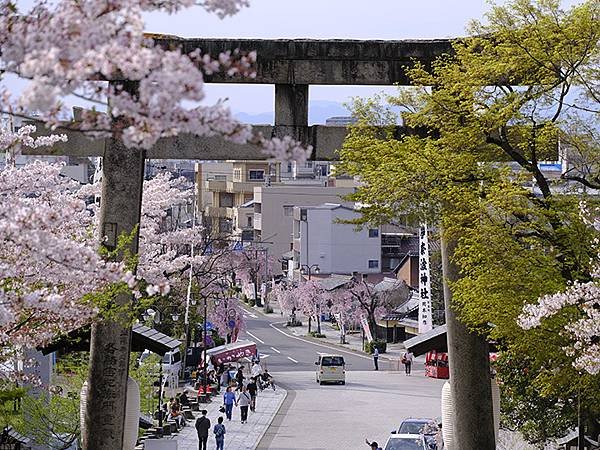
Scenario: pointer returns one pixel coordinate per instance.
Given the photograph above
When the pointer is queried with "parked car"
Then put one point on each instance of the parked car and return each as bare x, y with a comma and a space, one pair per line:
425, 426
406, 442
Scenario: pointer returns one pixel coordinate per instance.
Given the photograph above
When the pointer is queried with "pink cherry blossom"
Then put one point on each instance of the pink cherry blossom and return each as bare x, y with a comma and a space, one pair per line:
90, 48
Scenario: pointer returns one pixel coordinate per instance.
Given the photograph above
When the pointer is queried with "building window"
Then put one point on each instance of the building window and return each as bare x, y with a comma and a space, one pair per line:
373, 264
288, 210
249, 221
256, 175
373, 232
237, 174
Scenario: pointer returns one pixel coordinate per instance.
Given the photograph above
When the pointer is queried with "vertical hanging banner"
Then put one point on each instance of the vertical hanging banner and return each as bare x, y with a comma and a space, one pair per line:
365, 324
425, 323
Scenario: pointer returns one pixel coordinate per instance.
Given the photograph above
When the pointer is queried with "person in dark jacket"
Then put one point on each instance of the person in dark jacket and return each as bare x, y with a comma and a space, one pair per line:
252, 389
202, 427
239, 378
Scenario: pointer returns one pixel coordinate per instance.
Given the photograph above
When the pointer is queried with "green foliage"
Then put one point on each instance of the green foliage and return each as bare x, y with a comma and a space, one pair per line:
251, 302
218, 340
376, 343
51, 417
500, 98
316, 334
146, 374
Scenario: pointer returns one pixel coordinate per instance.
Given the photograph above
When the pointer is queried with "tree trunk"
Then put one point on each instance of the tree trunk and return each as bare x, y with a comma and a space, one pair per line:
309, 323
110, 340
318, 323
469, 371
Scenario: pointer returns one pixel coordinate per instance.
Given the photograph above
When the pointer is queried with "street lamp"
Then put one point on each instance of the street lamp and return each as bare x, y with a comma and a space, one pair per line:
309, 270
155, 313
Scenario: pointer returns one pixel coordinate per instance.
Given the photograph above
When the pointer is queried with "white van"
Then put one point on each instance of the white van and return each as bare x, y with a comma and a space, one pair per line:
330, 368
171, 367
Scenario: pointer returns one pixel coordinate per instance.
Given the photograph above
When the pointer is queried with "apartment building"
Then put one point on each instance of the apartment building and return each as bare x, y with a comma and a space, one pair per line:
222, 194
320, 237
273, 213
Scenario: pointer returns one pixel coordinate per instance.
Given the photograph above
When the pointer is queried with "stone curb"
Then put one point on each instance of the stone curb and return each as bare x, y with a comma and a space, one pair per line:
265, 429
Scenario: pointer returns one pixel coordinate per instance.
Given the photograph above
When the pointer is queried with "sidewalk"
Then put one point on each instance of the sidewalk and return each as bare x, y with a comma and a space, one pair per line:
238, 436
392, 356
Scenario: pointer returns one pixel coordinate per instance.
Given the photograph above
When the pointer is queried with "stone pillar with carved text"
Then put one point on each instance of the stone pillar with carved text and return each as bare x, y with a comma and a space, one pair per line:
122, 181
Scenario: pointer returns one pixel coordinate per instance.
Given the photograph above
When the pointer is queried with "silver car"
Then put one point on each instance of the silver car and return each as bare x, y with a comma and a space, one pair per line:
406, 442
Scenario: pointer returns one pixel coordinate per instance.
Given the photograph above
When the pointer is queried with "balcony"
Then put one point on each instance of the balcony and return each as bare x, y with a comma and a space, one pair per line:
215, 185
220, 212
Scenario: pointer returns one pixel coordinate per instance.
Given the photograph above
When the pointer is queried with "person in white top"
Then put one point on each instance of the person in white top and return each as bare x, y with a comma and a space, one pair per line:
243, 401
256, 370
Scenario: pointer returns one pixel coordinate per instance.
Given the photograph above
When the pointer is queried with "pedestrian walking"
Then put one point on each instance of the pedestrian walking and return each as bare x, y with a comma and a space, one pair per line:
243, 401
219, 431
252, 390
202, 427
407, 360
376, 358
228, 401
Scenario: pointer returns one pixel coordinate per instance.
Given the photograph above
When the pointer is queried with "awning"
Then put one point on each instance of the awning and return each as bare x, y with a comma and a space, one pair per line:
432, 340
288, 255
142, 338
228, 353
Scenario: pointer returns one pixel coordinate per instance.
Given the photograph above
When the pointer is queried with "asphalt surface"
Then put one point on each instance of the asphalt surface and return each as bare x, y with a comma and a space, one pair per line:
370, 405
281, 351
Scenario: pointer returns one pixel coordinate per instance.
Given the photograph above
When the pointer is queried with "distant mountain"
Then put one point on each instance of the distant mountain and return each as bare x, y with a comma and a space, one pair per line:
318, 112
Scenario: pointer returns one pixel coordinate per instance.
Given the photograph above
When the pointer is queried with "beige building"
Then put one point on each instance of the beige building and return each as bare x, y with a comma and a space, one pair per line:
274, 210
222, 194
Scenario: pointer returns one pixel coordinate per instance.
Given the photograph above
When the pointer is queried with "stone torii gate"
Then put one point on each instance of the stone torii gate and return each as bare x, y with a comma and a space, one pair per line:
292, 66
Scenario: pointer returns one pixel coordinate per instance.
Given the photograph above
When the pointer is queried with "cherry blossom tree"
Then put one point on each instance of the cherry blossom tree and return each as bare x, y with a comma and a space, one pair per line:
253, 264
94, 50
311, 300
579, 303
584, 329
49, 262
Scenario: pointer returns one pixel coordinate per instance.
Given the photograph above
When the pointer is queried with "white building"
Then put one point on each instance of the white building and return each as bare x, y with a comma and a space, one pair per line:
273, 213
320, 238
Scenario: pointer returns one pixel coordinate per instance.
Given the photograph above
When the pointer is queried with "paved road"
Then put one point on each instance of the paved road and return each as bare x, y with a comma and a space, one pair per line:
282, 352
371, 403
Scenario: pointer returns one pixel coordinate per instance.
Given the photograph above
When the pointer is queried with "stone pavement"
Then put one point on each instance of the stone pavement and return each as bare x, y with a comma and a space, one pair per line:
238, 436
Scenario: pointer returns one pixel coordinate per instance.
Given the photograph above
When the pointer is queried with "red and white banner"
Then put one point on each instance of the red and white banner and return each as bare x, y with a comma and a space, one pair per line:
365, 325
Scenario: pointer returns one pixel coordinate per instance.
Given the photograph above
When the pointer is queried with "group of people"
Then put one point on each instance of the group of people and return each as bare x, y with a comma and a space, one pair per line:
247, 391
407, 360
172, 409
203, 429
239, 393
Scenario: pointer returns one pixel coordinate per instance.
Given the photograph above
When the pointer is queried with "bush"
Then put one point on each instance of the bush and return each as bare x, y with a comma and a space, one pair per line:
244, 298
251, 302
316, 334
294, 323
218, 340
380, 344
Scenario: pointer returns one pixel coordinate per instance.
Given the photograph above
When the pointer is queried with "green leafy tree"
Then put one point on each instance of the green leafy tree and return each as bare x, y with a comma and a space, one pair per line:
477, 125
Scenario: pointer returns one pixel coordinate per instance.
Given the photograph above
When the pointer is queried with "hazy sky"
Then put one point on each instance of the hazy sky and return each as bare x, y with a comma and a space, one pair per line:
320, 19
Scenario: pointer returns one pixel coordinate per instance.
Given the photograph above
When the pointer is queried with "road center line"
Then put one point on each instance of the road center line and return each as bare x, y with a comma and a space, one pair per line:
292, 359
259, 340
275, 350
